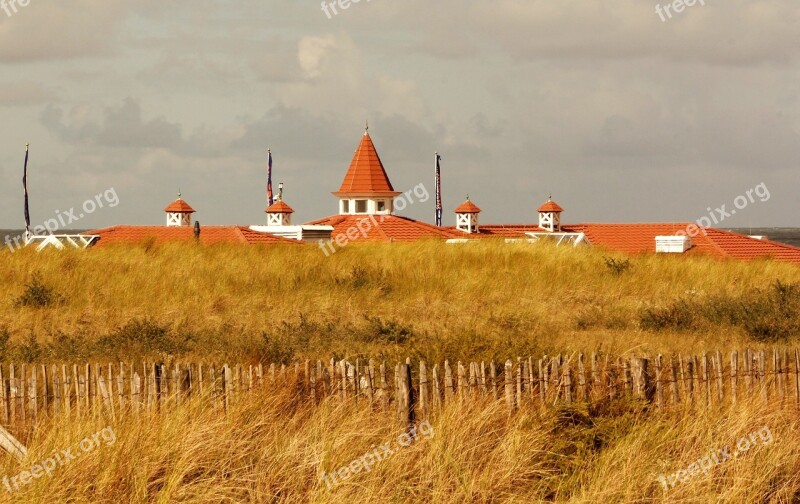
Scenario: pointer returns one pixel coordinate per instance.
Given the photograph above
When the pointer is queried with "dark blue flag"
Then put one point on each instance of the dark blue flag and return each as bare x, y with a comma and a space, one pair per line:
269, 178
25, 189
438, 188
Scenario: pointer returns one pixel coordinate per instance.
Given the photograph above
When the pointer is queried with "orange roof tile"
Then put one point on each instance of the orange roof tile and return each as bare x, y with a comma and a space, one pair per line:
743, 247
468, 207
179, 206
366, 175
638, 238
371, 228
550, 206
499, 231
641, 238
279, 207
209, 235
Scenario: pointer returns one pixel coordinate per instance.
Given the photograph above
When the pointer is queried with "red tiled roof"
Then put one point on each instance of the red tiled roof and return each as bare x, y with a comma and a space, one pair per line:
740, 246
179, 206
468, 207
641, 238
550, 206
279, 207
499, 231
209, 235
638, 238
371, 228
366, 175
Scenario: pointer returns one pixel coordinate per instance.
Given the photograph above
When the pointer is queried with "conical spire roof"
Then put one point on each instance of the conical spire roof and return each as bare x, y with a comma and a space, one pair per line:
468, 207
179, 206
366, 175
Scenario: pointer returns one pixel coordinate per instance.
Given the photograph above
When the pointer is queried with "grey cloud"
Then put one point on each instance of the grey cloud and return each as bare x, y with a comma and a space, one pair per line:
121, 126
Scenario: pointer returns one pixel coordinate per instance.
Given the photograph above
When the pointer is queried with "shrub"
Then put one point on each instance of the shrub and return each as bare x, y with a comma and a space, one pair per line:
38, 295
679, 315
141, 337
28, 351
277, 350
4, 337
617, 266
765, 315
68, 348
385, 331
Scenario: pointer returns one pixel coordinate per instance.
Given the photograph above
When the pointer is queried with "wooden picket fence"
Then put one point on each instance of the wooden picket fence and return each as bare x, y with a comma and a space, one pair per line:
30, 392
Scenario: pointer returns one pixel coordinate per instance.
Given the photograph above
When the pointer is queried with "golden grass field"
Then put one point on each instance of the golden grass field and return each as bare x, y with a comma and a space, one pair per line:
427, 300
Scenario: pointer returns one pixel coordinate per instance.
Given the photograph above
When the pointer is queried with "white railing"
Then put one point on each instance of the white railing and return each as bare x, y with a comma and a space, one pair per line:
61, 241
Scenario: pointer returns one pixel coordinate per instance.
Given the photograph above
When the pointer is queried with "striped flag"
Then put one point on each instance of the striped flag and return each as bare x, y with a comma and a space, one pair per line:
269, 178
438, 188
25, 190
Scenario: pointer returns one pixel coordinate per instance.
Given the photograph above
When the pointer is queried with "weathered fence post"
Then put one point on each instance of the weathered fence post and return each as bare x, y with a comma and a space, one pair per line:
448, 382
509, 385
734, 375
423, 390
676, 399
659, 384
437, 393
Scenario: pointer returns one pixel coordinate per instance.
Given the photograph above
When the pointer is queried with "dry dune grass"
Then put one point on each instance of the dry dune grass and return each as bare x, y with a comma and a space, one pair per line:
427, 300
273, 448
478, 301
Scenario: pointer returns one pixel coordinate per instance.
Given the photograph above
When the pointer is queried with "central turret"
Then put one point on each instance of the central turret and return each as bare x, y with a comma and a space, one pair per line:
366, 188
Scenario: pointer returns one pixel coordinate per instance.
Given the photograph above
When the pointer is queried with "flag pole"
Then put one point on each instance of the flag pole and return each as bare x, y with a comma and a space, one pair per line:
269, 177
438, 189
25, 191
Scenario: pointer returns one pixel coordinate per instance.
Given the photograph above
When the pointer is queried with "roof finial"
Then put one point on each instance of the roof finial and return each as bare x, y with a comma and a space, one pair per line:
280, 191
467, 197
179, 192
549, 196
366, 127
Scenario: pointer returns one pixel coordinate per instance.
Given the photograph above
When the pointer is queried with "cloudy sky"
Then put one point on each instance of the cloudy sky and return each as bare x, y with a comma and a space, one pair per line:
622, 116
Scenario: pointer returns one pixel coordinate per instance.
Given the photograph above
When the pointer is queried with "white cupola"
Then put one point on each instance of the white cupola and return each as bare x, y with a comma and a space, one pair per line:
550, 216
467, 217
179, 213
279, 213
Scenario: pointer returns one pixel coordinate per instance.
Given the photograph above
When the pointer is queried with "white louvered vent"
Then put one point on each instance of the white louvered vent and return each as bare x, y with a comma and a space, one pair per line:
673, 244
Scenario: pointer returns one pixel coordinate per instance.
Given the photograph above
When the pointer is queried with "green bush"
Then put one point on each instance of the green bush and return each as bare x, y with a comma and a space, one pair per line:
679, 315
276, 350
28, 352
617, 266
142, 337
38, 295
378, 330
766, 315
4, 337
